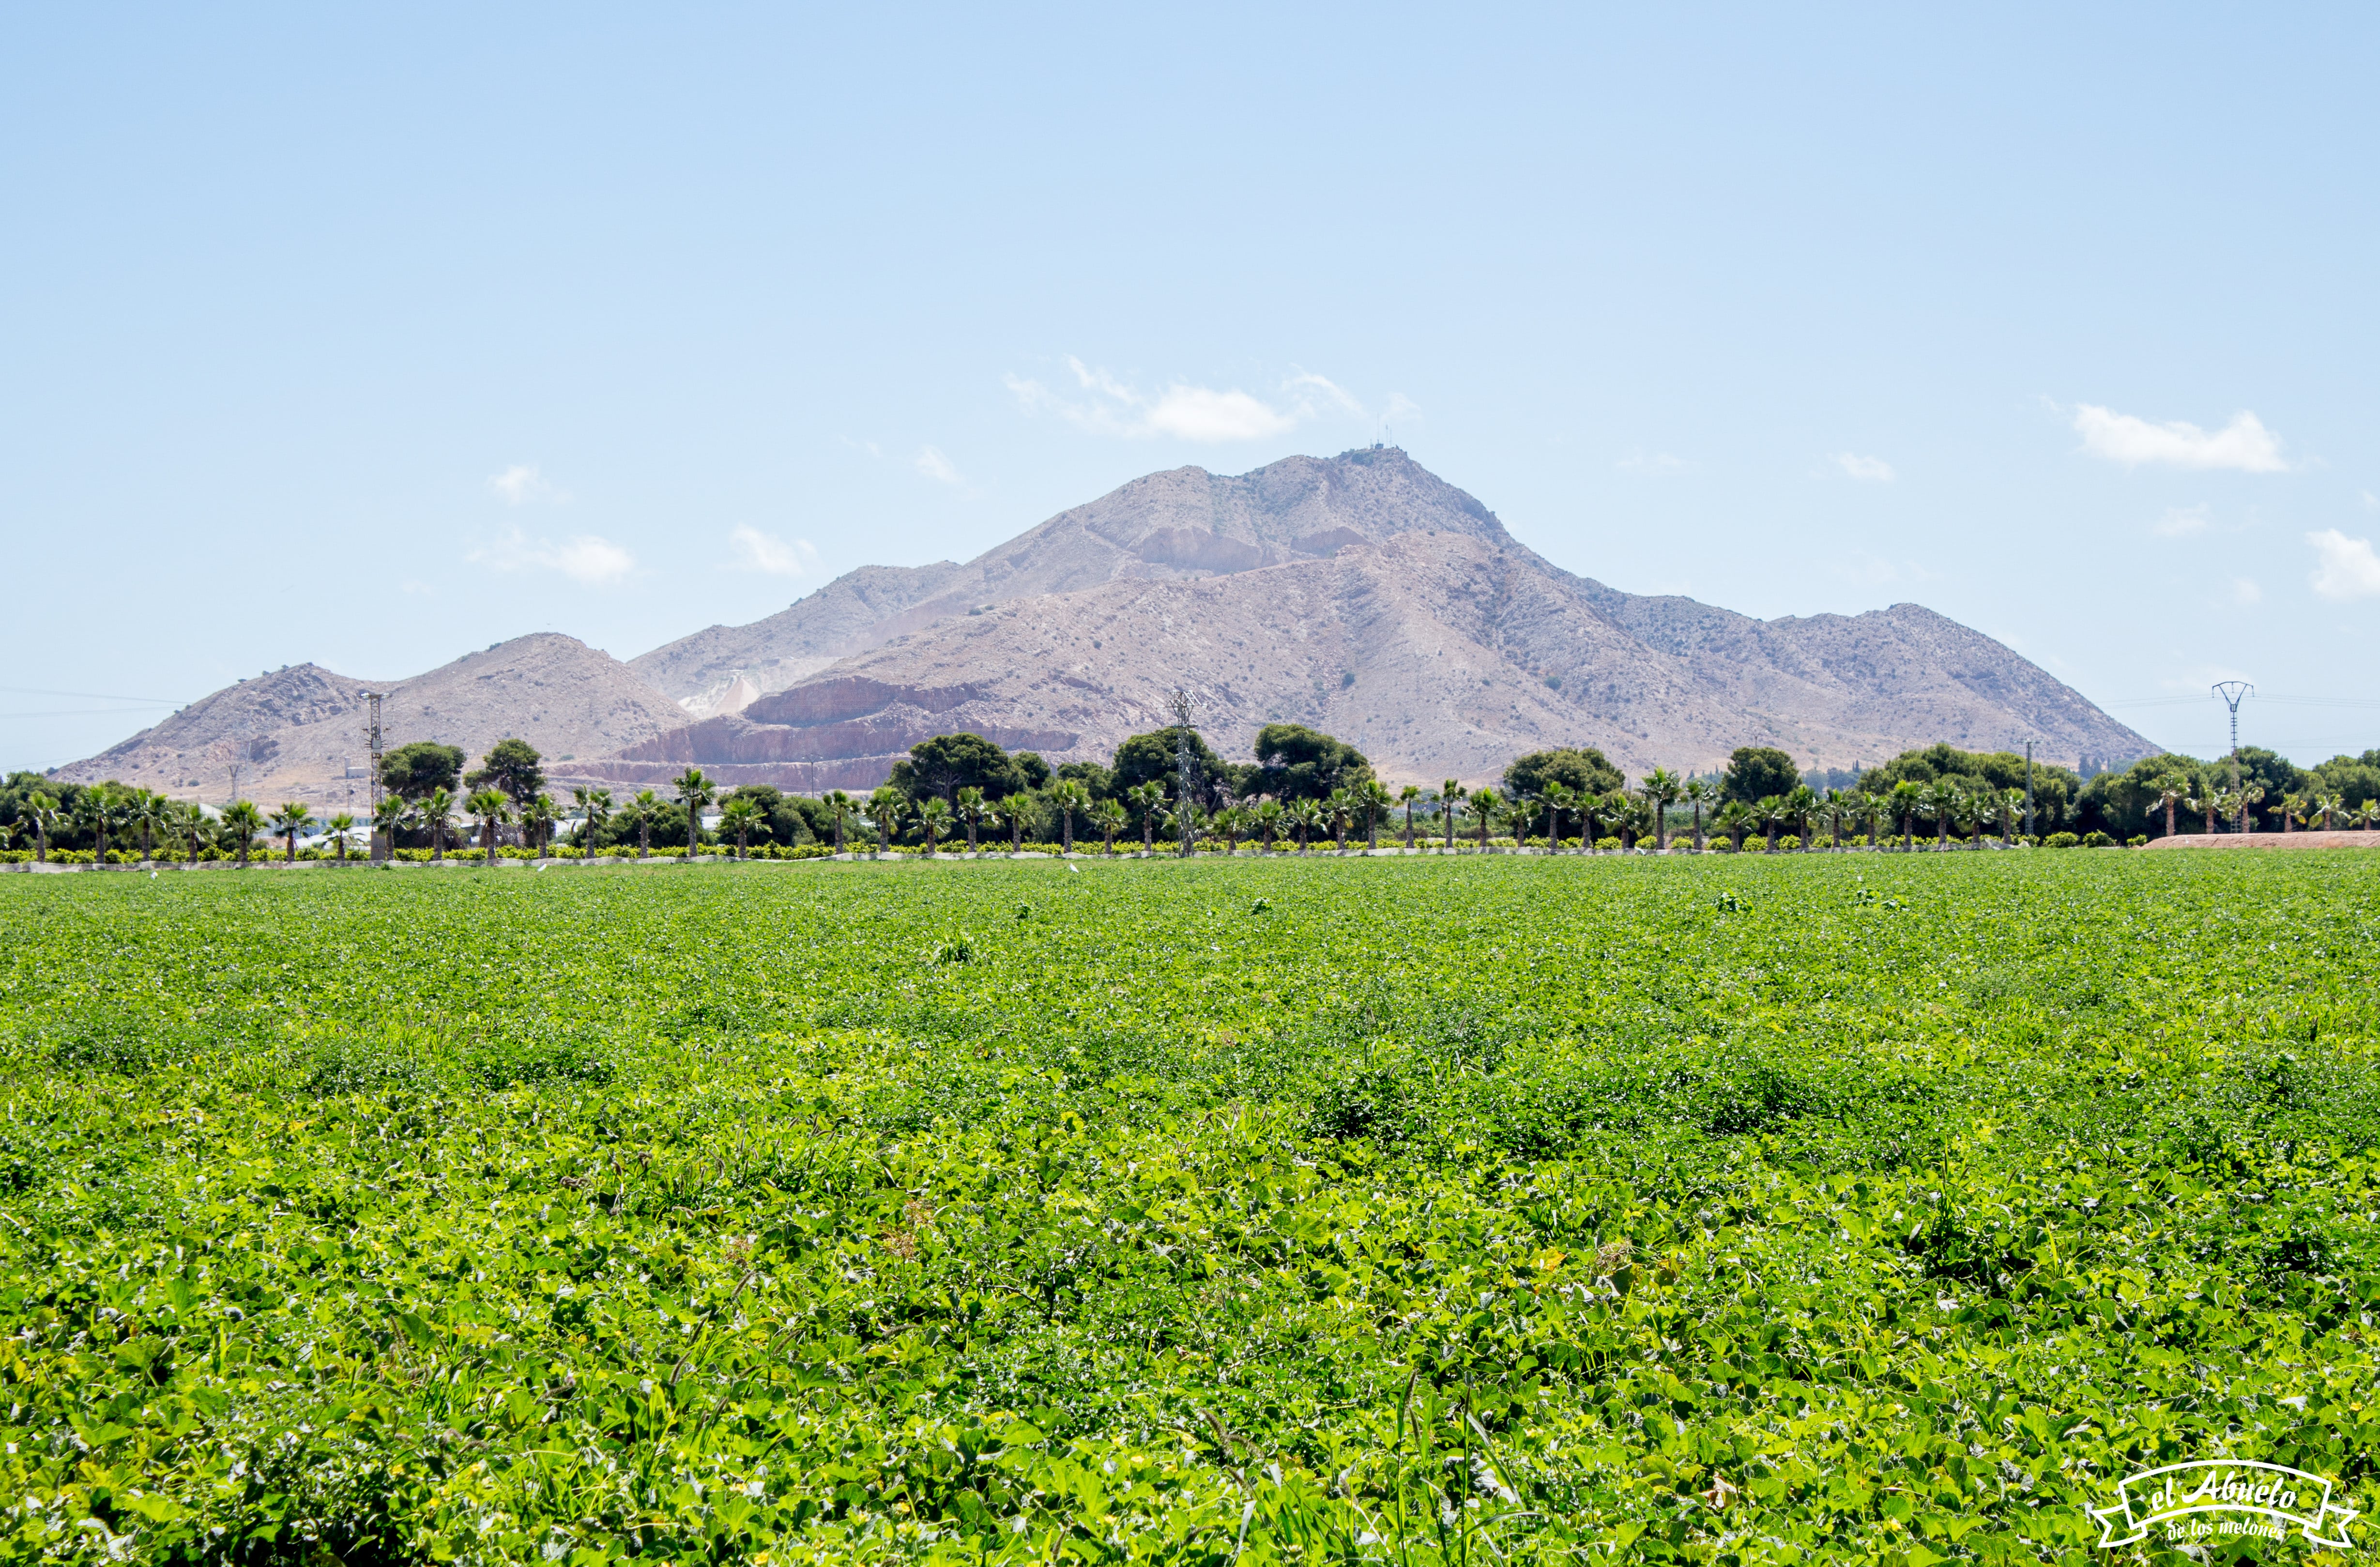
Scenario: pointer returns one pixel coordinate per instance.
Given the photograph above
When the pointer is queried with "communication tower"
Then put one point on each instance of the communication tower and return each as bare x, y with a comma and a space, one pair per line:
2232, 691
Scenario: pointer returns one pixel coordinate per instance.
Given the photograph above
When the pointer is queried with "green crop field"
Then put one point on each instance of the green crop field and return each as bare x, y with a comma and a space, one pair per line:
1872, 1208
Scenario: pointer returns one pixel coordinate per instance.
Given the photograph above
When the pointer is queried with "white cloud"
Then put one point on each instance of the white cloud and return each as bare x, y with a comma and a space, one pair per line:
2349, 569
930, 462
756, 551
2181, 522
1111, 407
522, 484
1872, 470
1655, 464
582, 558
2245, 591
2243, 444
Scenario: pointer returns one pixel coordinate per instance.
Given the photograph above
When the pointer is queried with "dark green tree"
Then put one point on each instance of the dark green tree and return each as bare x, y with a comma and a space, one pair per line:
940, 767
512, 766
1149, 759
1581, 769
419, 769
1097, 782
1297, 764
1754, 772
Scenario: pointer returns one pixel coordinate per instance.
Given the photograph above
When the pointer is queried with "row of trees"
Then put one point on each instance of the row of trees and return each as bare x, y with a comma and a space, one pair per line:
1302, 786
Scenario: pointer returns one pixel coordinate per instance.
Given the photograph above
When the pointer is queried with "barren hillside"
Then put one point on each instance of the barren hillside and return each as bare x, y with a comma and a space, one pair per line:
295, 733
1439, 655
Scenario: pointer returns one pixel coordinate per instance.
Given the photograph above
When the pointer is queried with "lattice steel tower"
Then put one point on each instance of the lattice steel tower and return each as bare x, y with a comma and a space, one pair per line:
2232, 691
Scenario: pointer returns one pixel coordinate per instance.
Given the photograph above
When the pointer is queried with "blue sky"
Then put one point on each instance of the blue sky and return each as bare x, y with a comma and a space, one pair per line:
371, 339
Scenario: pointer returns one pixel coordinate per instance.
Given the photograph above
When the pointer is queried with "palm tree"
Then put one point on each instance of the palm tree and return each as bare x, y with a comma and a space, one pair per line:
2368, 814
1014, 807
491, 808
933, 814
1110, 818
2293, 806
1614, 815
391, 816
1558, 799
1069, 794
343, 830
1230, 821
694, 792
1907, 800
287, 823
2205, 804
1769, 813
44, 810
1146, 800
1408, 796
741, 815
1975, 815
1486, 806
538, 817
187, 821
1804, 804
2172, 791
1449, 798
1375, 802
96, 809
641, 810
1302, 817
243, 821
1698, 793
886, 809
2011, 812
594, 810
148, 812
1268, 821
437, 812
2246, 796
1340, 810
2328, 805
842, 805
1734, 818
972, 810
1660, 787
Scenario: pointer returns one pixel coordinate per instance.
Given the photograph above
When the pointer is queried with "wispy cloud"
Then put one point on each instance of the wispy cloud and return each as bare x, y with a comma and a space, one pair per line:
930, 462
2346, 567
2181, 522
1105, 405
2245, 591
2243, 445
583, 557
1859, 565
771, 555
522, 484
2371, 502
1868, 470
1653, 465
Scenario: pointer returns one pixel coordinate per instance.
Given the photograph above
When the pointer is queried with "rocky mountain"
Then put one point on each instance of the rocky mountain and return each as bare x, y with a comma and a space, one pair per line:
1360, 594
296, 733
1182, 526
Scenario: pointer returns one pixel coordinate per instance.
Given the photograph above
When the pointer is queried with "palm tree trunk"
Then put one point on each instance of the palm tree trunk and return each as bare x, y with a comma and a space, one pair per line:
644, 840
1068, 830
1699, 844
1016, 834
1409, 829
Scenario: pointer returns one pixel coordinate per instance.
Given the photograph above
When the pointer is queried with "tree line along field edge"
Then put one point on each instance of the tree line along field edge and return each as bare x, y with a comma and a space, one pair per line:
1699, 1211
